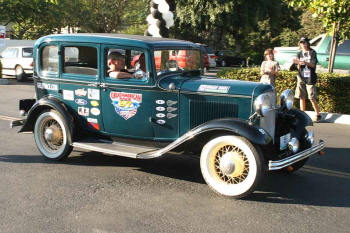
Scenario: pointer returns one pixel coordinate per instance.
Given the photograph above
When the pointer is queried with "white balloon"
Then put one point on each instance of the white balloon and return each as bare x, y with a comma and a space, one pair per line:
168, 15
169, 23
153, 29
150, 19
163, 7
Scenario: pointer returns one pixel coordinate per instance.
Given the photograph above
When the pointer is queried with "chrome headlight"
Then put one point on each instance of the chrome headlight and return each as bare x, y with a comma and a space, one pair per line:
262, 105
310, 137
287, 99
293, 145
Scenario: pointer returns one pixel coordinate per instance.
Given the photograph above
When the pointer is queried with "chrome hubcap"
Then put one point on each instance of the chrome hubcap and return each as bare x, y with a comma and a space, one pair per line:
53, 135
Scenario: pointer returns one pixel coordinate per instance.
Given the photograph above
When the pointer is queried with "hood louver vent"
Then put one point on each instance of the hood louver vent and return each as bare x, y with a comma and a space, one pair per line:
203, 111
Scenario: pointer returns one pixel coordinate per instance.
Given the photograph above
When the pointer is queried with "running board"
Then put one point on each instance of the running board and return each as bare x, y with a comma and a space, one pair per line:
114, 148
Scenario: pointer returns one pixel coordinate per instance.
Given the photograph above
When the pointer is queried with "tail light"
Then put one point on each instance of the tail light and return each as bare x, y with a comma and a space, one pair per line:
213, 57
31, 64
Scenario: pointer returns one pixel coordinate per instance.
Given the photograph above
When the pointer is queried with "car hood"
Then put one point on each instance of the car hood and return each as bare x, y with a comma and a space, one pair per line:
225, 86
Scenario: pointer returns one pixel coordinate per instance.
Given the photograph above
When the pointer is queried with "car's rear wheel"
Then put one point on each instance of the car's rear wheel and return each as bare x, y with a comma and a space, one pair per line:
232, 166
21, 76
52, 135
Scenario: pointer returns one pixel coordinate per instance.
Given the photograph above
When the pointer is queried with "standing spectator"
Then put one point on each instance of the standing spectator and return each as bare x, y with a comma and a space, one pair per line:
307, 78
269, 68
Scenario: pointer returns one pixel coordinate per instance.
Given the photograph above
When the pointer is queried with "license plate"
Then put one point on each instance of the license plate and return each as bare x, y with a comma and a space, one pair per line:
284, 141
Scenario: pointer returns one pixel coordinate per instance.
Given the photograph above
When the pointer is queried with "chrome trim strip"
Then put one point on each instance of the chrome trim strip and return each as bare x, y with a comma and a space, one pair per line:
180, 140
213, 94
112, 152
275, 165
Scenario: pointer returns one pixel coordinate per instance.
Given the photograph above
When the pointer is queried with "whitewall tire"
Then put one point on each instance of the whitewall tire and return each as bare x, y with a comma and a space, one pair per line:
231, 166
52, 135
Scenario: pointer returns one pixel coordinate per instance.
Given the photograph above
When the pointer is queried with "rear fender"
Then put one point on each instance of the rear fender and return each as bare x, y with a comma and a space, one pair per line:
44, 104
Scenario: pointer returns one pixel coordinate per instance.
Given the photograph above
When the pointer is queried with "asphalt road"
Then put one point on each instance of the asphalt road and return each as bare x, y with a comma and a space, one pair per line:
93, 192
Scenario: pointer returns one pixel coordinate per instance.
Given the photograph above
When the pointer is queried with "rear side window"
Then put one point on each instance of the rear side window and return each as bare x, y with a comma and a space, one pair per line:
49, 59
344, 47
80, 60
27, 52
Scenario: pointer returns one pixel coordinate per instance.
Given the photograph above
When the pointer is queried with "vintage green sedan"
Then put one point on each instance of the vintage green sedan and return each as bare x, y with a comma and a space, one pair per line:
235, 128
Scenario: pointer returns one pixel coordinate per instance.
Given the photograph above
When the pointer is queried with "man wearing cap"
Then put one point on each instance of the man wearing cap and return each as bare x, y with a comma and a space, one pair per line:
116, 65
307, 77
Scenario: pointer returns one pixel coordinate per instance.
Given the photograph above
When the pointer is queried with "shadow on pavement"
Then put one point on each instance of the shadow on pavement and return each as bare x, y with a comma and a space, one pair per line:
314, 184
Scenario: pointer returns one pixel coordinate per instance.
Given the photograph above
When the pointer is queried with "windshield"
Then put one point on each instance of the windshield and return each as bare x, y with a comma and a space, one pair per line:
168, 61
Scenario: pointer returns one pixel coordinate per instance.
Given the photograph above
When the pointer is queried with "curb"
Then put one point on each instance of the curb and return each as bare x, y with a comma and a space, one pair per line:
331, 117
4, 81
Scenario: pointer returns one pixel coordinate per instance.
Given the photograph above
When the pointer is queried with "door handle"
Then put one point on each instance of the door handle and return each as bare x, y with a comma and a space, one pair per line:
104, 86
94, 85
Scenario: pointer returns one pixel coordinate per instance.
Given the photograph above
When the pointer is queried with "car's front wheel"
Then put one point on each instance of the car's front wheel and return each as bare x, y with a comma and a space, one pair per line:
21, 76
231, 166
223, 63
52, 135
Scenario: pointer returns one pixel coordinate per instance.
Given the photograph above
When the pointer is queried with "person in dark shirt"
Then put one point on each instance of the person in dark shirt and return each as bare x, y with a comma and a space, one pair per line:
307, 78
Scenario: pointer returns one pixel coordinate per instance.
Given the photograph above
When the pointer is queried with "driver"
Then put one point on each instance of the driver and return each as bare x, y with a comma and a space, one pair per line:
116, 63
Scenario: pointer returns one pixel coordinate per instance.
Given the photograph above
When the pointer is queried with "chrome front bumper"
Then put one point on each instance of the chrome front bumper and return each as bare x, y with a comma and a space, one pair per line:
278, 164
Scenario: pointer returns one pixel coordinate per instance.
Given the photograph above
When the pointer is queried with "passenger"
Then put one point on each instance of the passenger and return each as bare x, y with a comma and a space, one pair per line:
269, 68
142, 62
116, 63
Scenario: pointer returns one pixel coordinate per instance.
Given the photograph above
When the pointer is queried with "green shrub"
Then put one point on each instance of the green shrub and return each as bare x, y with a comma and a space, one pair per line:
333, 89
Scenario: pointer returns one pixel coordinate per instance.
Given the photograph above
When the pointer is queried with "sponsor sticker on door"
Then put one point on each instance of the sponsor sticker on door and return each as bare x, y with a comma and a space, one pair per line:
126, 104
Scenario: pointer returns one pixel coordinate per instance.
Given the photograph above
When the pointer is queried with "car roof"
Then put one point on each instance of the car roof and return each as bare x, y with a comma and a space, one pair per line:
18, 47
109, 38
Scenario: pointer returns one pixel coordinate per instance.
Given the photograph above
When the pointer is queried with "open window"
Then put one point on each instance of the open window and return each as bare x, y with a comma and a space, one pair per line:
135, 62
80, 60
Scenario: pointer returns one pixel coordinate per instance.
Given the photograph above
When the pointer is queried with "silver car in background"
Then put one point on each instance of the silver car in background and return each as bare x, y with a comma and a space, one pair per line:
17, 61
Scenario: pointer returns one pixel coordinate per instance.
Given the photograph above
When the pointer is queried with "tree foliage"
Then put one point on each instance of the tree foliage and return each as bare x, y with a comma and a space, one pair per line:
35, 18
329, 12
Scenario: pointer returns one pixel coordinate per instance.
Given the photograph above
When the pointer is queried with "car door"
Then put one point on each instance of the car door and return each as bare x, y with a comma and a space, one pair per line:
80, 82
126, 103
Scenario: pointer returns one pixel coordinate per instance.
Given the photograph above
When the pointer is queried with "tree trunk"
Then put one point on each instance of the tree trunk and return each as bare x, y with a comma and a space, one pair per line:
334, 45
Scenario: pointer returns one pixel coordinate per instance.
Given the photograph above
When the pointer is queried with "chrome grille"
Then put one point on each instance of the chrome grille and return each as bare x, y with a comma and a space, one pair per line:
203, 111
268, 122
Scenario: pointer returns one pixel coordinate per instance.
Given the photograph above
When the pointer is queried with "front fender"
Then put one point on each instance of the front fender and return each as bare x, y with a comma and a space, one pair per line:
253, 133
48, 102
303, 119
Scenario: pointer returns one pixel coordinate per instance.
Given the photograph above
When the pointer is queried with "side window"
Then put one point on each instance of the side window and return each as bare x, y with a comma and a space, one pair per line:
27, 52
9, 53
80, 60
344, 47
123, 63
49, 59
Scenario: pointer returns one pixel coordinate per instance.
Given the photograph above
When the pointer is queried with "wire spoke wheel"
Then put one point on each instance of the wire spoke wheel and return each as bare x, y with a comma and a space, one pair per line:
231, 166
52, 135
